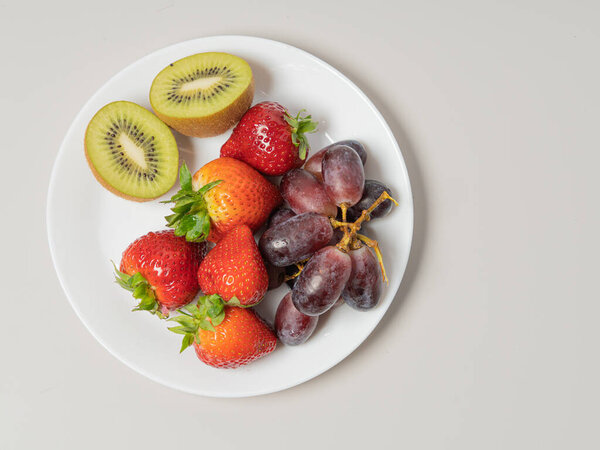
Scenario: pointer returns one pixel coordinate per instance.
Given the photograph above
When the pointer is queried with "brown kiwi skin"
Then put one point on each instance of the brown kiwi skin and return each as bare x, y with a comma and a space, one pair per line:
103, 182
215, 124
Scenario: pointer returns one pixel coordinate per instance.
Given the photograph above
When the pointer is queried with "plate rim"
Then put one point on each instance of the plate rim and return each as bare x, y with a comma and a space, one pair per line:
61, 154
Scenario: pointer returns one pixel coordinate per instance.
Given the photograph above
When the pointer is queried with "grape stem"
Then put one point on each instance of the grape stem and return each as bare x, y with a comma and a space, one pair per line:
351, 235
300, 267
375, 246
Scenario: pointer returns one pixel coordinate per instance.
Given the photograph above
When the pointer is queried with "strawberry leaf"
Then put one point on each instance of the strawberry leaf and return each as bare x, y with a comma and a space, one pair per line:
234, 301
190, 216
179, 330
186, 321
207, 314
140, 289
188, 339
299, 126
185, 178
207, 187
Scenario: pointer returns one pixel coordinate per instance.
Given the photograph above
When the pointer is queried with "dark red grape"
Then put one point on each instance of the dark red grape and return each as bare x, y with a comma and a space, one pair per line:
373, 189
338, 234
343, 175
293, 327
339, 302
304, 193
276, 275
295, 239
314, 163
364, 287
280, 215
322, 281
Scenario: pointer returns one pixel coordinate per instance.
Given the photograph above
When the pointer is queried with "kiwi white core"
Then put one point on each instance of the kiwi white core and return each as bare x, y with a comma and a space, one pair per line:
133, 151
200, 83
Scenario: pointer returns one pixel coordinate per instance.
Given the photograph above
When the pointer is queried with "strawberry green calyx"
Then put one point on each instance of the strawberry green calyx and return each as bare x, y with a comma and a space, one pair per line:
208, 313
142, 290
190, 216
300, 126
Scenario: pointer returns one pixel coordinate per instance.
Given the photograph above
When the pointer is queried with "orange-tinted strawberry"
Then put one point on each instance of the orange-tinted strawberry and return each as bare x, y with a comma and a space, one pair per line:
161, 271
223, 194
234, 268
223, 336
269, 139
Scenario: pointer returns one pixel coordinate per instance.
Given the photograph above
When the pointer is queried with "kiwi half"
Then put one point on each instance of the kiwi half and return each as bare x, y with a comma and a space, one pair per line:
131, 152
203, 95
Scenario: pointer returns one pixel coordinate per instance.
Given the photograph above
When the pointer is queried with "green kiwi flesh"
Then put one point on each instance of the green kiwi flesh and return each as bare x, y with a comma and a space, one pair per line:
131, 152
203, 94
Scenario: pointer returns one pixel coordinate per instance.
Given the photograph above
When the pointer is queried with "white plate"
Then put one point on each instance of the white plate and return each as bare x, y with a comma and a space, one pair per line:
88, 226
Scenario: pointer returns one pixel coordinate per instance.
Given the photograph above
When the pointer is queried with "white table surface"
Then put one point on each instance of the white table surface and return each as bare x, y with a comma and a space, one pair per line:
492, 340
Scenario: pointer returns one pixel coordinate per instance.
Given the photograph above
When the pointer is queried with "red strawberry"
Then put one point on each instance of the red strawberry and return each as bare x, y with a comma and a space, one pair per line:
223, 336
161, 271
223, 194
269, 139
234, 268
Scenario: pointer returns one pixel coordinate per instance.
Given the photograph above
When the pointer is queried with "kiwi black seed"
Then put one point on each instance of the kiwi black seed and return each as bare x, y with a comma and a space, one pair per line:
131, 152
204, 94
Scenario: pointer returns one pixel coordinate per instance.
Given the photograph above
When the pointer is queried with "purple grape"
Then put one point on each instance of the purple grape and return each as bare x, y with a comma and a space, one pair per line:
293, 327
304, 193
338, 234
343, 175
280, 215
295, 239
322, 281
373, 189
364, 287
339, 302
314, 163
357, 147
276, 275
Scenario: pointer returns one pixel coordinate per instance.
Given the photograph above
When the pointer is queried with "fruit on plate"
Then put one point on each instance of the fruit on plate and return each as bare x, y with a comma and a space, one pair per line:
371, 192
343, 175
235, 269
224, 193
276, 276
204, 94
314, 163
131, 152
161, 270
304, 193
292, 326
280, 215
322, 280
269, 139
364, 286
223, 336
296, 239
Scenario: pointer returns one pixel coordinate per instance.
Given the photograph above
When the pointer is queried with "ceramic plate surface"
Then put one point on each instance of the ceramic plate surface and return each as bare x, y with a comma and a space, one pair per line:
88, 226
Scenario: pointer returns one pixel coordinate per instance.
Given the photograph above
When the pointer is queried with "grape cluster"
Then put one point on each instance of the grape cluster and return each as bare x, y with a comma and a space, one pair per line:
315, 244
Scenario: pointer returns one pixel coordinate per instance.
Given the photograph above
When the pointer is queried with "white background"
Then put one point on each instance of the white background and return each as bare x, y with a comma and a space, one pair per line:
492, 340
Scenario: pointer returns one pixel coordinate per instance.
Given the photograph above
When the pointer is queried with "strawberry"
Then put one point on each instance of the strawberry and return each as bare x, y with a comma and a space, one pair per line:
161, 271
234, 268
223, 336
223, 194
269, 139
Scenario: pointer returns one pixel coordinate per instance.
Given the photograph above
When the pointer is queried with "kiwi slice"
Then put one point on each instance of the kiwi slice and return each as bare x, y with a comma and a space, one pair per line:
131, 152
203, 95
